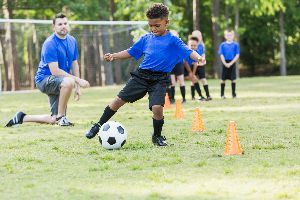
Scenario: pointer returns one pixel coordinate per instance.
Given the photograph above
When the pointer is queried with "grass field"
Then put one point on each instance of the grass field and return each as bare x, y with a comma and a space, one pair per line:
51, 162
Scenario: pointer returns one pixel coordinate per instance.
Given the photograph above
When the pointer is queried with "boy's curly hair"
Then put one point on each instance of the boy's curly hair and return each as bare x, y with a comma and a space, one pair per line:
157, 10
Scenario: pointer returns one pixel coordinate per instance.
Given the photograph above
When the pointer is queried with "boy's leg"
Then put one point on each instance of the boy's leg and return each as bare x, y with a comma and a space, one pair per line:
172, 92
158, 122
193, 91
197, 87
222, 89
233, 86
21, 117
180, 79
134, 90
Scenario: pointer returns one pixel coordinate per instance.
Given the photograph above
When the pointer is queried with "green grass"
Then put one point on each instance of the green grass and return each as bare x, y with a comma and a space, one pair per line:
51, 162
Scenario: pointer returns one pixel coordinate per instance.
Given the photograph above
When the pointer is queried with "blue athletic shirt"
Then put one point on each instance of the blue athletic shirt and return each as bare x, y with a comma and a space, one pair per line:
161, 53
229, 50
63, 51
200, 51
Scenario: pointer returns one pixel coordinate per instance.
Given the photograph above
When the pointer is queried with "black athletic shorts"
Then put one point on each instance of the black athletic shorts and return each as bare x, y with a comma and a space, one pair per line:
229, 73
145, 81
200, 72
178, 69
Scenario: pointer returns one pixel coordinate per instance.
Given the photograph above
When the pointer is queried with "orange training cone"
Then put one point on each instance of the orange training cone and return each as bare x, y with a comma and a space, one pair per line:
178, 112
232, 146
198, 124
167, 101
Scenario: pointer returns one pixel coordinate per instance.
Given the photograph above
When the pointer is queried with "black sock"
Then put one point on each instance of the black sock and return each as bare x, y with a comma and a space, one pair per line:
206, 90
233, 85
172, 92
222, 89
107, 114
197, 87
157, 126
182, 90
193, 91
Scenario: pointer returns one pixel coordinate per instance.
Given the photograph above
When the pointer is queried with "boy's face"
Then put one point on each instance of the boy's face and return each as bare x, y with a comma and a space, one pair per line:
158, 26
229, 36
193, 44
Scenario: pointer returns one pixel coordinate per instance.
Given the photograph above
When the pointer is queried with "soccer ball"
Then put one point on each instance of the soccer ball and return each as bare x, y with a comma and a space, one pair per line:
112, 135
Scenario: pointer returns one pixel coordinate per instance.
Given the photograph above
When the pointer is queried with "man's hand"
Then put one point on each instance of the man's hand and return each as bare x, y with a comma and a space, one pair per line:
108, 57
77, 93
83, 83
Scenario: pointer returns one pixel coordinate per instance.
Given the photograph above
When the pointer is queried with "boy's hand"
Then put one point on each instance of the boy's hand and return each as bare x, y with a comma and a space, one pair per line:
201, 61
108, 57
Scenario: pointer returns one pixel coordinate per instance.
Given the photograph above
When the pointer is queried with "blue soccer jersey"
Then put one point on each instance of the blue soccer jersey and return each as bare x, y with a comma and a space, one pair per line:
200, 50
161, 53
229, 50
63, 51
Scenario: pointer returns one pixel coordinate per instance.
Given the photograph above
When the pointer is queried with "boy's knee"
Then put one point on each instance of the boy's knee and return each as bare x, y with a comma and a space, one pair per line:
157, 112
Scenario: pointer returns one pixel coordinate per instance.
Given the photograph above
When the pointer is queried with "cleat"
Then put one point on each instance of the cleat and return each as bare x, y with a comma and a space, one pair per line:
93, 131
202, 98
208, 99
159, 140
17, 119
63, 121
234, 96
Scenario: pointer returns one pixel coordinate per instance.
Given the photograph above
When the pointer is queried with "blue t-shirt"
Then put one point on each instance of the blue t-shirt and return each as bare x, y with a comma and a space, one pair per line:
229, 50
200, 50
63, 51
161, 53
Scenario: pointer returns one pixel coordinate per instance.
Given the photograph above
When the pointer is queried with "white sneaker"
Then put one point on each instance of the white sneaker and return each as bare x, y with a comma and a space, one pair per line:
63, 121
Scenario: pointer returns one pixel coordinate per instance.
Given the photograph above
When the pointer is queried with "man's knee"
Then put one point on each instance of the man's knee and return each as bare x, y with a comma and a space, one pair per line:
68, 82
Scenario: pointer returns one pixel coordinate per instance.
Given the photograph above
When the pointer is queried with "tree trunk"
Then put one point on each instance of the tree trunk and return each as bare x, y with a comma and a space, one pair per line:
109, 79
227, 15
89, 55
216, 38
116, 41
282, 45
196, 15
236, 31
83, 43
36, 49
6, 81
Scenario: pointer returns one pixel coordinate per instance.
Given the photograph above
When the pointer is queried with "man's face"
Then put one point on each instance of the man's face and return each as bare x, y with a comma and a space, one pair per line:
158, 26
193, 44
61, 26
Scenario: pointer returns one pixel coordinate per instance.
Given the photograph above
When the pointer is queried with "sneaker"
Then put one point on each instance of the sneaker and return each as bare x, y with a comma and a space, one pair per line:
183, 101
17, 119
234, 96
93, 131
202, 98
63, 121
223, 97
159, 140
208, 99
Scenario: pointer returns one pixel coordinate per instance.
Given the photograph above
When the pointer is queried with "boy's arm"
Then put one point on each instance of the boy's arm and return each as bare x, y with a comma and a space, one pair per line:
117, 56
223, 61
188, 69
195, 68
195, 56
237, 56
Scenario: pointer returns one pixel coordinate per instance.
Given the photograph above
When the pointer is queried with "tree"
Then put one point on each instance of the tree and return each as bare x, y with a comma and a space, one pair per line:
196, 15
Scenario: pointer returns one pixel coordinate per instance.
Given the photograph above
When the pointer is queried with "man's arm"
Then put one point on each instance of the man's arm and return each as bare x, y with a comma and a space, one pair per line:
56, 71
117, 56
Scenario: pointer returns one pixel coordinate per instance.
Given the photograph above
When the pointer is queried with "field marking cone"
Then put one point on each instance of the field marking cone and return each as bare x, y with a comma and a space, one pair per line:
232, 146
198, 124
167, 101
178, 111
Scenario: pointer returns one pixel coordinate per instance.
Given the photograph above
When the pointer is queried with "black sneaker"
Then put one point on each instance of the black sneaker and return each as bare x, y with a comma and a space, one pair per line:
93, 131
202, 98
159, 140
17, 119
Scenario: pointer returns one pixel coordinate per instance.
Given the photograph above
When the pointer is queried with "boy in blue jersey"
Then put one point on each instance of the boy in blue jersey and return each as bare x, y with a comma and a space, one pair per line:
57, 75
199, 70
229, 52
162, 51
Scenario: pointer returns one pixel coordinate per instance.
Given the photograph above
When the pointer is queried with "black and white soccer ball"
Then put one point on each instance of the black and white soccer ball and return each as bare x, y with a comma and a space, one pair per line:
112, 135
